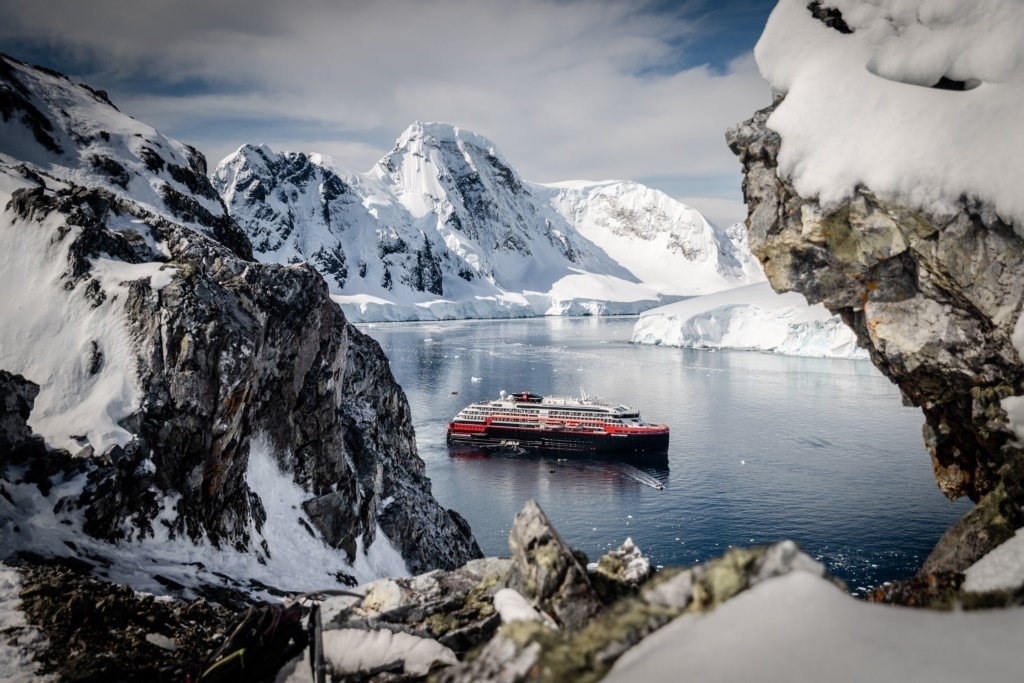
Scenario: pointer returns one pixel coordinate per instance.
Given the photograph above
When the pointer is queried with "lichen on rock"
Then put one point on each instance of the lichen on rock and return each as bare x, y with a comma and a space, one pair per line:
545, 571
530, 650
933, 298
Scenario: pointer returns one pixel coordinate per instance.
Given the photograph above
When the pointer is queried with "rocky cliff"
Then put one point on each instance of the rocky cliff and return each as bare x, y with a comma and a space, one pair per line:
932, 289
199, 404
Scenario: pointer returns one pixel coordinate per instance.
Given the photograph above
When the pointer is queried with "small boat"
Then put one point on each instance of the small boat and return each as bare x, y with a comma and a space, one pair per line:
530, 421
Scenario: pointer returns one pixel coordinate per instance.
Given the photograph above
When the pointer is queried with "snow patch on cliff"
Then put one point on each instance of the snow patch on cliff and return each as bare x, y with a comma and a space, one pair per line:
752, 317
861, 109
295, 560
76, 347
282, 552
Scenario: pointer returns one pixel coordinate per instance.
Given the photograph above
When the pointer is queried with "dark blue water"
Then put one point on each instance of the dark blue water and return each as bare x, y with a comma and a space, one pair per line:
763, 447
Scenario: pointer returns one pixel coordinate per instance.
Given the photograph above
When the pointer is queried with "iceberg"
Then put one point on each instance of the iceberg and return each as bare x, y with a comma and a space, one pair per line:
752, 317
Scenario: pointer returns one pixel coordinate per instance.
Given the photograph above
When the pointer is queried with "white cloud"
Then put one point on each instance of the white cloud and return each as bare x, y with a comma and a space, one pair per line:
565, 89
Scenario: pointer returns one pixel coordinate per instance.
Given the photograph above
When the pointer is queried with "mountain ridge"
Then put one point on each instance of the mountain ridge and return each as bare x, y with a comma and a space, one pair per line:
444, 226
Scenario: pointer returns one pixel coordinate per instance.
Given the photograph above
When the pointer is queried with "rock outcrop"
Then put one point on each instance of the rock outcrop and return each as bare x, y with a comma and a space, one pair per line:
17, 395
934, 300
531, 650
545, 571
444, 625
164, 353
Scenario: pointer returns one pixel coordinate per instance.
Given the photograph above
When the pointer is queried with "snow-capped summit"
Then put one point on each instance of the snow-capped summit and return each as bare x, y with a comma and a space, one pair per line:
642, 226
73, 133
445, 227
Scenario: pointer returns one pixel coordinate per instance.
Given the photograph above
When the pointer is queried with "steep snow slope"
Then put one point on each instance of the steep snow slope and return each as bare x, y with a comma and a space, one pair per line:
183, 384
444, 227
668, 246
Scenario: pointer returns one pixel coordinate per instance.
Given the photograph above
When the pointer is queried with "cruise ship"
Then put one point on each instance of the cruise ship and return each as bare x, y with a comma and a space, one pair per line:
527, 420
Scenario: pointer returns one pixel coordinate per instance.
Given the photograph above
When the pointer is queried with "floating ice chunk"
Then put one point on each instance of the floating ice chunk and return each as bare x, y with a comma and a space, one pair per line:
476, 379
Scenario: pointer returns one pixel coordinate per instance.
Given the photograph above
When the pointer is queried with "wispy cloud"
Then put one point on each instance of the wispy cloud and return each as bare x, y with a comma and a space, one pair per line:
566, 89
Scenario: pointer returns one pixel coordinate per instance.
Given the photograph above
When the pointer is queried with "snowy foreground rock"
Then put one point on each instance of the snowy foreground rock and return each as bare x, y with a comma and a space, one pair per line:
444, 227
766, 613
883, 183
201, 419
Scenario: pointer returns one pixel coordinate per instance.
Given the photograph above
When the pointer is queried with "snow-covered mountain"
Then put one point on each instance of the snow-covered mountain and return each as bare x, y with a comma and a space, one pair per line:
444, 227
193, 409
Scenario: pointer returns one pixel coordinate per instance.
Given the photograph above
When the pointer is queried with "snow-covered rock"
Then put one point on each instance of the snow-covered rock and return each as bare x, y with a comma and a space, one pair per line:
883, 183
512, 606
444, 227
206, 410
74, 133
751, 317
1002, 569
918, 100
800, 627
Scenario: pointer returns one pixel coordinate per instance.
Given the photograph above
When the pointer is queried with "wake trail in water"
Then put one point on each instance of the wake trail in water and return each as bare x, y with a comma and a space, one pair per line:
627, 472
639, 476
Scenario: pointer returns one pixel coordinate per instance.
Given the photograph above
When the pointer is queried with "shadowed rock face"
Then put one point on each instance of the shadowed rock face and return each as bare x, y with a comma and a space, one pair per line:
934, 300
231, 349
17, 396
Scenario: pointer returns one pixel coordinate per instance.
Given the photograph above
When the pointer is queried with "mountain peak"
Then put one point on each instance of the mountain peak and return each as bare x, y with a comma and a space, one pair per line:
434, 134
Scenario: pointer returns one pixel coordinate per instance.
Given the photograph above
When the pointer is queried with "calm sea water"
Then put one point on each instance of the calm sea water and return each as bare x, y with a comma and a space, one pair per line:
763, 447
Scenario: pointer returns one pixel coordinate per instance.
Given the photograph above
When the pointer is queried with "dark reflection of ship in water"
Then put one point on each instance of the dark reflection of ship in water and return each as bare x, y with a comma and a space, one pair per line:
647, 469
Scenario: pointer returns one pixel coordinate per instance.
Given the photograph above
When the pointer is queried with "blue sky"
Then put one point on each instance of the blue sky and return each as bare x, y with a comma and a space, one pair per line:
566, 89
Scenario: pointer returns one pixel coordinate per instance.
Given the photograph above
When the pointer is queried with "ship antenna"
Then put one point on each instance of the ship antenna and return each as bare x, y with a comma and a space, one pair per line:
583, 395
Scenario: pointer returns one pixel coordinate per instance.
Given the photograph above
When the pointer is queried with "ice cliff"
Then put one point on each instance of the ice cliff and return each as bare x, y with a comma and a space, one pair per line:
201, 418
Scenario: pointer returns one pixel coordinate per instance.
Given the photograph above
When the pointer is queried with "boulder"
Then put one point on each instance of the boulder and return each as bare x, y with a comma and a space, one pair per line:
620, 572
456, 608
545, 571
